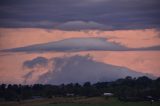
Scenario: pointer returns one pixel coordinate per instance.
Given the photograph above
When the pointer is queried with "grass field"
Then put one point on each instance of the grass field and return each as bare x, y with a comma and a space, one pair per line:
109, 104
112, 102
76, 104
94, 101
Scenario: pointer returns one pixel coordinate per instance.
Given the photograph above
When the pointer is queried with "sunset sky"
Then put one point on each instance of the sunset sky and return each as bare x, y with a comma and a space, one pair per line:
62, 41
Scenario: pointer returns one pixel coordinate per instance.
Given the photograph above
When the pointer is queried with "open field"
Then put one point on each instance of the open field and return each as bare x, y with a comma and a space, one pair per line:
81, 101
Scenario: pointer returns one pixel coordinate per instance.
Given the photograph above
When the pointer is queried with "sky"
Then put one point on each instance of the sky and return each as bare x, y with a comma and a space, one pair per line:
63, 41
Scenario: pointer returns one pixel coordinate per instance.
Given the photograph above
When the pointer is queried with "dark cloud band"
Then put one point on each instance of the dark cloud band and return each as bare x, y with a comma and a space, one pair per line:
80, 14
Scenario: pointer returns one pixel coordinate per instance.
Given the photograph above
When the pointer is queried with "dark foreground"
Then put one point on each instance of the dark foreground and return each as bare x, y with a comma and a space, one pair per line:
79, 101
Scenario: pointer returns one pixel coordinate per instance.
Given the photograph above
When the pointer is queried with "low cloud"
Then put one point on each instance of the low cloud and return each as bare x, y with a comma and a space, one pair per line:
80, 69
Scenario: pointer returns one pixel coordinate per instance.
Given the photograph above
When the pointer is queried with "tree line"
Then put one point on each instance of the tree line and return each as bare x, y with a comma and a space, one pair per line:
125, 88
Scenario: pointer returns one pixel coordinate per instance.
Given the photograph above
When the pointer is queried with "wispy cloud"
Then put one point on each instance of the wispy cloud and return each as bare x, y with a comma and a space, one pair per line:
36, 62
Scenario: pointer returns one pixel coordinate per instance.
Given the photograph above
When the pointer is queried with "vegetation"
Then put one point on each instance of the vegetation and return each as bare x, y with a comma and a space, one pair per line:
127, 89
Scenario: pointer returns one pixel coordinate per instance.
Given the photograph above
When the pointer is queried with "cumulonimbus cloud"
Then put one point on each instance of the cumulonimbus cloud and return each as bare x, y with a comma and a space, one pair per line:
78, 44
76, 68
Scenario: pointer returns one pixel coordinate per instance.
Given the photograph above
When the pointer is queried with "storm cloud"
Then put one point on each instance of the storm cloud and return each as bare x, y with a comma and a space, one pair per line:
80, 14
76, 68
78, 44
